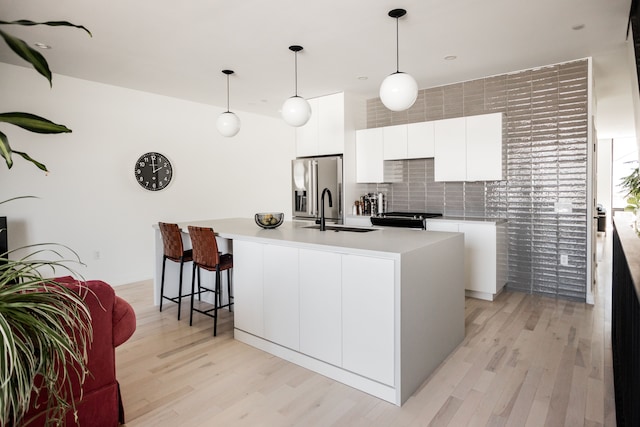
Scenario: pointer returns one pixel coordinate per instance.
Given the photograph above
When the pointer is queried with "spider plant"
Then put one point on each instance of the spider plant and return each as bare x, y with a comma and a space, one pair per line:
45, 329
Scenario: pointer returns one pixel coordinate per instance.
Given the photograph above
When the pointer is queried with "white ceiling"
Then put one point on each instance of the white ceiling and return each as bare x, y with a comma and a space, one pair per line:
178, 49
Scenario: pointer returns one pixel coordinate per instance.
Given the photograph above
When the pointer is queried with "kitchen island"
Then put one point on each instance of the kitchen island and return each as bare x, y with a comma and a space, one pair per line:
377, 310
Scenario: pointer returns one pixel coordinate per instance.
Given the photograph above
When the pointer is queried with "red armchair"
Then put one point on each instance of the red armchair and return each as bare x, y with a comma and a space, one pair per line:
113, 321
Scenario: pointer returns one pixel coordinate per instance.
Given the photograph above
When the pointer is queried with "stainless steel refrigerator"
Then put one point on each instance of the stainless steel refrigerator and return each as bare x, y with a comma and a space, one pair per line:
310, 176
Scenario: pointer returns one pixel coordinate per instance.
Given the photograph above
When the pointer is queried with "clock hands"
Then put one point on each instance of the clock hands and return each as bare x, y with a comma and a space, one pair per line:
153, 165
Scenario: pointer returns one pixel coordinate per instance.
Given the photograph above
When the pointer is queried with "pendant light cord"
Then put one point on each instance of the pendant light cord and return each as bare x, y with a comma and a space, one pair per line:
296, 72
397, 47
228, 93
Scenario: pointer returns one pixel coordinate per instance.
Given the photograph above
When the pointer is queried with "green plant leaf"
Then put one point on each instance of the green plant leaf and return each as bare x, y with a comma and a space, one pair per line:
5, 150
25, 156
33, 123
630, 208
43, 326
29, 23
632, 201
29, 54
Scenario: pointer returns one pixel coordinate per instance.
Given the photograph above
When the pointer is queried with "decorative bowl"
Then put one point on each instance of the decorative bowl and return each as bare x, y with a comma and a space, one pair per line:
269, 219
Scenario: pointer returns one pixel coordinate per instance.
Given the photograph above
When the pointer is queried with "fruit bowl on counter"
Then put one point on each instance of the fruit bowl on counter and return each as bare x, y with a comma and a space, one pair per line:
269, 219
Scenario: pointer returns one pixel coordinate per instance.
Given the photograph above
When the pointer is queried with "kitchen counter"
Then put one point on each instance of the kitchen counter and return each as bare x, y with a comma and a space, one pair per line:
381, 241
378, 311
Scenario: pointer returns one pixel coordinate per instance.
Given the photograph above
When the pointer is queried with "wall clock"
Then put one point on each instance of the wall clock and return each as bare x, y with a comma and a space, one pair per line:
153, 171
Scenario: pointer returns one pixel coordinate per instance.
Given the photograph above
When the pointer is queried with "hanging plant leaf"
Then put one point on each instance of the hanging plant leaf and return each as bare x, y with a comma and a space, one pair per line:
5, 150
32, 160
29, 54
29, 23
33, 123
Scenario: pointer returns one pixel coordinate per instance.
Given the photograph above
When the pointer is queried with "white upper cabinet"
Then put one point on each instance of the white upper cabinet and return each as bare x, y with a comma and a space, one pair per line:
469, 148
464, 148
369, 155
307, 135
412, 141
450, 163
420, 140
484, 147
331, 124
394, 142
324, 132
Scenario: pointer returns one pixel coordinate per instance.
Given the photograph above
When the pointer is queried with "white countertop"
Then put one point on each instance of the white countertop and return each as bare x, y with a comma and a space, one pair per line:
384, 241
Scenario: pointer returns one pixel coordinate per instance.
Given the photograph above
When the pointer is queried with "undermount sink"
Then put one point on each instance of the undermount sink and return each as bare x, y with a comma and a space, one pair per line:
341, 228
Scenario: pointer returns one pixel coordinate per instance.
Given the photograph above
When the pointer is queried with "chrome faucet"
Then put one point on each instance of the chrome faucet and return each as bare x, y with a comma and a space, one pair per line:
323, 227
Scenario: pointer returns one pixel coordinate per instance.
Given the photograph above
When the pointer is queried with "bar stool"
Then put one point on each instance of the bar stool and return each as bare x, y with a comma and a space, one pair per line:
206, 256
173, 251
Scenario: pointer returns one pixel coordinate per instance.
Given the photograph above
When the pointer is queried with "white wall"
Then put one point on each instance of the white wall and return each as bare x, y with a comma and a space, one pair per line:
90, 200
603, 174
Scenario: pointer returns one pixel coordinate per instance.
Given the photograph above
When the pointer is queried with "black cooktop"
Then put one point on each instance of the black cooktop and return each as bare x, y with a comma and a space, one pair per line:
413, 215
403, 219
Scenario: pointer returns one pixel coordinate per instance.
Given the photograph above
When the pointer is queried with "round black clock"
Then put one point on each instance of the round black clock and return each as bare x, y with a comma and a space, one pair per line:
153, 171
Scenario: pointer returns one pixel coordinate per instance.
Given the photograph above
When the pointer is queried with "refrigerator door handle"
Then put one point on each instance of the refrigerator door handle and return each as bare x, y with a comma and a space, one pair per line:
314, 188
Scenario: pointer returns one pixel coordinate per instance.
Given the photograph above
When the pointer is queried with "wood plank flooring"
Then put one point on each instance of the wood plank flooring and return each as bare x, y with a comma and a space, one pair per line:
525, 361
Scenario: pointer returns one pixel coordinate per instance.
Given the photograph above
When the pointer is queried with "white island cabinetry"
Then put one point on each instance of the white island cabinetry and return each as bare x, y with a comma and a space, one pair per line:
368, 329
359, 308
248, 269
320, 305
280, 295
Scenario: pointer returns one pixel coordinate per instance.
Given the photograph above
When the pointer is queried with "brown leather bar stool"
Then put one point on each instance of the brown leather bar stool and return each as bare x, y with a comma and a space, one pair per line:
173, 251
206, 256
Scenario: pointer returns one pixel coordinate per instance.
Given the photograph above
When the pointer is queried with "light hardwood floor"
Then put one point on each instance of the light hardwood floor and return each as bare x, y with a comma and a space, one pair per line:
525, 361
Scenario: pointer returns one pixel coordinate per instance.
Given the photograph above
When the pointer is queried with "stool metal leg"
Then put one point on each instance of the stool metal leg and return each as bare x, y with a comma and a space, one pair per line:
193, 290
215, 301
164, 264
180, 288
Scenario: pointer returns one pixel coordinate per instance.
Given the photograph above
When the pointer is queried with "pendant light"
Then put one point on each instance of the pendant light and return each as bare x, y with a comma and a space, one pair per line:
228, 123
296, 110
399, 90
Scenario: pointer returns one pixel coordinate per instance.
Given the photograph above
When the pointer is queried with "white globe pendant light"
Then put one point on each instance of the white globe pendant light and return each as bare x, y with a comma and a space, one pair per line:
228, 123
296, 110
398, 91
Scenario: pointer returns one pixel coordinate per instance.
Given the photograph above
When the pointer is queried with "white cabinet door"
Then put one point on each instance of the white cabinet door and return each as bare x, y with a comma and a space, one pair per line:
394, 142
280, 296
450, 162
368, 329
307, 135
321, 305
420, 140
369, 152
247, 287
480, 257
331, 124
484, 147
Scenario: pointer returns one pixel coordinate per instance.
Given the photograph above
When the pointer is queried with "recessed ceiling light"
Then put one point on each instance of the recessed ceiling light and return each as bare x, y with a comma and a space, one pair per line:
362, 77
450, 57
42, 45
577, 27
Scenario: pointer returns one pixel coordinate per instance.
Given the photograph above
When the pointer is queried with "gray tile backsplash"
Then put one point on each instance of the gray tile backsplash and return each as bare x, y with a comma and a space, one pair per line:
546, 162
